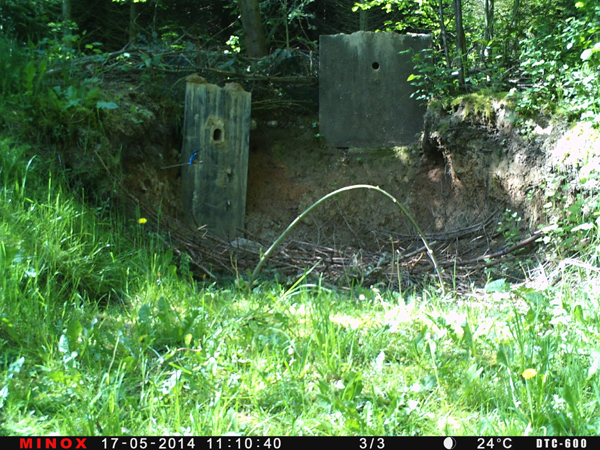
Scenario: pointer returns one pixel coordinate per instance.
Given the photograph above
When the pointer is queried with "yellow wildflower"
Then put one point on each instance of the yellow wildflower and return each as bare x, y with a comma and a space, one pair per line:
142, 220
529, 373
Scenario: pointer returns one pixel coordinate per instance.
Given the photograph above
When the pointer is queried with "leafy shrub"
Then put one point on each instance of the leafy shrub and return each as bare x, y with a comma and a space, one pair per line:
562, 67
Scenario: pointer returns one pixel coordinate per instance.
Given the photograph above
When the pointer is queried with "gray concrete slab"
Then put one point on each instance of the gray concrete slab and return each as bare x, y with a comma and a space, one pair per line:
364, 95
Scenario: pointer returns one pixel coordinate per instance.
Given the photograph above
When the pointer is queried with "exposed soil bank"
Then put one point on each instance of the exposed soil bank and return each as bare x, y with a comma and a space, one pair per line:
468, 168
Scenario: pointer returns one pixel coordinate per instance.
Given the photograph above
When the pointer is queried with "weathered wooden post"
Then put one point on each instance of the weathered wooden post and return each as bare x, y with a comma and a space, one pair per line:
217, 125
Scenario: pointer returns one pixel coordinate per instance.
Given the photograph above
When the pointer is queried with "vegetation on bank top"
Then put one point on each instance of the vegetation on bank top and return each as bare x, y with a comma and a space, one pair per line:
545, 54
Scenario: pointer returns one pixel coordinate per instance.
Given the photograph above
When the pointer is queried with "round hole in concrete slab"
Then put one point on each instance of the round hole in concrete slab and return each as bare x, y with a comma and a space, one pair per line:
375, 65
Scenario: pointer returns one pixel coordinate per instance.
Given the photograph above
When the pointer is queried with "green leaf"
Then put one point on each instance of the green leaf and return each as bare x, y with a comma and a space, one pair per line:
352, 424
73, 333
467, 335
94, 93
353, 386
594, 365
163, 306
578, 313
571, 397
145, 313
499, 285
181, 368
58, 375
106, 105
536, 298
129, 363
586, 54
504, 355
473, 372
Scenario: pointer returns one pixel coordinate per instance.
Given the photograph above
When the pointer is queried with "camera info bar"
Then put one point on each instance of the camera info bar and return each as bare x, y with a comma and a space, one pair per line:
232, 442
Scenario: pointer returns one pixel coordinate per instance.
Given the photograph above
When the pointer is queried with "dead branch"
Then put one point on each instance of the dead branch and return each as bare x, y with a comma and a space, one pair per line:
88, 59
535, 236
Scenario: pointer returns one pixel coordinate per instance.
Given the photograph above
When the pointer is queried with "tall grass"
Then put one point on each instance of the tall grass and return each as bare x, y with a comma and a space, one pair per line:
102, 331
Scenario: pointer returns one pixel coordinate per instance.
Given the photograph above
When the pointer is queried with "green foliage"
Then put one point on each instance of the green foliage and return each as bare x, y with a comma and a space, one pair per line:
432, 78
105, 332
510, 227
51, 246
548, 53
163, 325
287, 22
27, 20
408, 16
121, 339
546, 334
37, 103
562, 66
20, 74
553, 57
570, 229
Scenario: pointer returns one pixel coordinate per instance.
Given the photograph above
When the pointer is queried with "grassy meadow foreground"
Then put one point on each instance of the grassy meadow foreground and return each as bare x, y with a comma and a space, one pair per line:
104, 332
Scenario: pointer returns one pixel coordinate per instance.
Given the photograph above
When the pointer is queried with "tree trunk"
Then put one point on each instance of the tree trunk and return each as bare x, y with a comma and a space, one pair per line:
461, 44
133, 15
512, 41
444, 34
488, 29
254, 32
488, 9
66, 10
363, 19
66, 17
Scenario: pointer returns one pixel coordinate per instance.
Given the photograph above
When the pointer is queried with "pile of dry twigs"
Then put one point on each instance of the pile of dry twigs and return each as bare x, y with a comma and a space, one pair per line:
463, 255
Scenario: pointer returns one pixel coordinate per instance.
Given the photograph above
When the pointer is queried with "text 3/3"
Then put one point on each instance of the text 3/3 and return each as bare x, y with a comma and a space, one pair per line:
371, 443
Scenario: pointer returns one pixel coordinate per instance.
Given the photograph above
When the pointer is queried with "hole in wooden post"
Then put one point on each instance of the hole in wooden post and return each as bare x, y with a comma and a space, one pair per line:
217, 135
375, 66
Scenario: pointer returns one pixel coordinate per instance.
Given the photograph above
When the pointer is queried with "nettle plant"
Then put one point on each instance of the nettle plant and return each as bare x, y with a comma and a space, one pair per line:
509, 227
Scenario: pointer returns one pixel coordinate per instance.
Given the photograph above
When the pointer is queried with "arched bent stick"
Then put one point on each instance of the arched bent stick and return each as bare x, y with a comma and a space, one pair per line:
298, 219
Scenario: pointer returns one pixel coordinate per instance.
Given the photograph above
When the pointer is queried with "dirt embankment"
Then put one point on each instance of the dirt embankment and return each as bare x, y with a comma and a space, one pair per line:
469, 167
